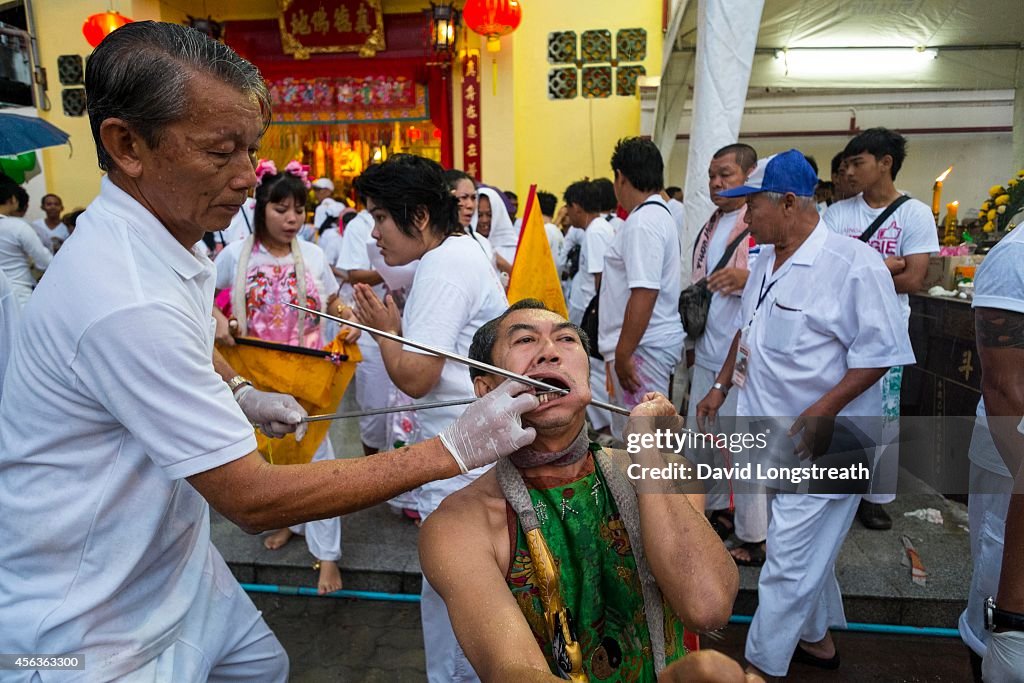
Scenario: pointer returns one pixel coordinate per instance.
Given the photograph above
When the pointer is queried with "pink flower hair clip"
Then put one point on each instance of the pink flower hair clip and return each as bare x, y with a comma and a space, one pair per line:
265, 167
300, 171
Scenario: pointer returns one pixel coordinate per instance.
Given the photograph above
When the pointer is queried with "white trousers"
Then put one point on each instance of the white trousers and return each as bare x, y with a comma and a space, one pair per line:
599, 419
373, 386
446, 662
986, 511
654, 373
223, 639
798, 594
749, 498
323, 536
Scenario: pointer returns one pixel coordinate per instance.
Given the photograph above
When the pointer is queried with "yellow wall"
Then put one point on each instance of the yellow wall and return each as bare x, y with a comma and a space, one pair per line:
560, 141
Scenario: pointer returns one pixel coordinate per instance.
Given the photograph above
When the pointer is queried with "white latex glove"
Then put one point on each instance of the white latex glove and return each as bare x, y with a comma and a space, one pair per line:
275, 414
1004, 660
491, 427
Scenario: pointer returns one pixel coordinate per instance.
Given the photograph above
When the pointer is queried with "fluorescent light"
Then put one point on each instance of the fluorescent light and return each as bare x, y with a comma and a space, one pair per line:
854, 61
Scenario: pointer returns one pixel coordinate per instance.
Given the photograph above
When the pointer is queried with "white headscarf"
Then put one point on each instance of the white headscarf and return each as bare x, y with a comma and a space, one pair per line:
504, 236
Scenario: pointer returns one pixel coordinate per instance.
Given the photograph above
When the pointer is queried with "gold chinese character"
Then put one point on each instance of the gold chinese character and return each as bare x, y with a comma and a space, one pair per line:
470, 70
470, 95
300, 23
471, 131
342, 20
320, 23
472, 169
472, 150
471, 112
966, 367
362, 20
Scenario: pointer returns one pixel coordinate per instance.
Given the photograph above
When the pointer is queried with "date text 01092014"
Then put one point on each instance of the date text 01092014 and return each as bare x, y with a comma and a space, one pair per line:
35, 662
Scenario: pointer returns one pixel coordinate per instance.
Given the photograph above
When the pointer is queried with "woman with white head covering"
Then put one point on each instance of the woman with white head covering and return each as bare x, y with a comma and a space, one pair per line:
493, 222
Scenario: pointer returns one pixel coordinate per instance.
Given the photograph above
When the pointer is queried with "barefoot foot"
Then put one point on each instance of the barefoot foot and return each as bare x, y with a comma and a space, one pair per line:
278, 539
330, 578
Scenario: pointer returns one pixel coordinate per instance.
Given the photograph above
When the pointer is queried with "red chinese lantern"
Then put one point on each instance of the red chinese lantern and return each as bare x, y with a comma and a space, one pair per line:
99, 26
493, 18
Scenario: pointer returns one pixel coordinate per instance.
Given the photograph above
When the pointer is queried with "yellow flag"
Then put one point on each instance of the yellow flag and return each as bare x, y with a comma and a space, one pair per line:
534, 275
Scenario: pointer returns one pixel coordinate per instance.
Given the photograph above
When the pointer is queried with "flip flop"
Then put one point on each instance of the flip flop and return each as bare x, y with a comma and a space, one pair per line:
722, 522
804, 657
756, 553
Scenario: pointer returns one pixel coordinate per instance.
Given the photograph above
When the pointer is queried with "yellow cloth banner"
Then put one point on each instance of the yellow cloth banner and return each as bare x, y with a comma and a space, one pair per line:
534, 275
312, 377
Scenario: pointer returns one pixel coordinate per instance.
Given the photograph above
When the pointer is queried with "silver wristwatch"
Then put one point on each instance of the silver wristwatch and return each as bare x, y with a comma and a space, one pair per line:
721, 387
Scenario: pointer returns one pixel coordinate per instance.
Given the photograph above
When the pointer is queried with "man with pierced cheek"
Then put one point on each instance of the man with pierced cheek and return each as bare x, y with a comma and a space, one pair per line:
542, 561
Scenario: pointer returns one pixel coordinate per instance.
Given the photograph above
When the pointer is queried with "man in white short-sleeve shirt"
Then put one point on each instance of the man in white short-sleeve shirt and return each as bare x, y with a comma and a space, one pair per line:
729, 167
819, 325
118, 341
640, 334
997, 449
905, 240
582, 207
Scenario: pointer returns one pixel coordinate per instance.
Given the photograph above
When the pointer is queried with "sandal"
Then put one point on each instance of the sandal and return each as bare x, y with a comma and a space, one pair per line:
755, 554
722, 522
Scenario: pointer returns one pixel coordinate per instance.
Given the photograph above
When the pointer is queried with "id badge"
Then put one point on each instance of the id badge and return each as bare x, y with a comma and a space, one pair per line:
739, 372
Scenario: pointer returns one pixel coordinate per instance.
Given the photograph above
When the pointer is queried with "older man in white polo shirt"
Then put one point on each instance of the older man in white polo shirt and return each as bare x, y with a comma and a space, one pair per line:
819, 325
105, 518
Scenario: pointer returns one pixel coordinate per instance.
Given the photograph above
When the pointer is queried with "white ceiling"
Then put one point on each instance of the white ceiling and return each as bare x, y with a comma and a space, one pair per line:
979, 41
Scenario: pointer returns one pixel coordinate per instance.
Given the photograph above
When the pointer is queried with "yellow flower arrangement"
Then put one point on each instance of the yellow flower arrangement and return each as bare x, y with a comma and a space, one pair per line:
1003, 203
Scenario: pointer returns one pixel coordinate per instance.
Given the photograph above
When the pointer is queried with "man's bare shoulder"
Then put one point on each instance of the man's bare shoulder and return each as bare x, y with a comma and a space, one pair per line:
476, 509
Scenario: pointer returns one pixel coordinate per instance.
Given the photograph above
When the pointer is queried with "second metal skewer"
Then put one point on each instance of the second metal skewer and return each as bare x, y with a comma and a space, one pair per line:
479, 365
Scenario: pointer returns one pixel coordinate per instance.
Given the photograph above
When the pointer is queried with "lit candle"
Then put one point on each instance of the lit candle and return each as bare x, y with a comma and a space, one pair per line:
937, 193
951, 212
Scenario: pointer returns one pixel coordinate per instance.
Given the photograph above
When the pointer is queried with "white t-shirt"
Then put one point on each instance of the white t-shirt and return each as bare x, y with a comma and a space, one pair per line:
643, 255
831, 307
328, 207
10, 313
909, 230
713, 346
454, 292
555, 241
20, 249
597, 237
106, 545
353, 256
614, 221
46, 235
998, 283
330, 241
678, 215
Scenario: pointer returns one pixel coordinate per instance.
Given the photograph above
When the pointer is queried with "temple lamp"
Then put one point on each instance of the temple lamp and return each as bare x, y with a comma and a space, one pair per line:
99, 26
444, 19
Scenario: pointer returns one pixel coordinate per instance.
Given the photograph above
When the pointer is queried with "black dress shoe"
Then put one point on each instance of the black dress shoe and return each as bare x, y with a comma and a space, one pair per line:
804, 657
873, 516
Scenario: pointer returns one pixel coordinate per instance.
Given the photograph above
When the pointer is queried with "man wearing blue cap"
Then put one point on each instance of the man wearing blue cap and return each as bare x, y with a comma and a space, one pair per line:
818, 327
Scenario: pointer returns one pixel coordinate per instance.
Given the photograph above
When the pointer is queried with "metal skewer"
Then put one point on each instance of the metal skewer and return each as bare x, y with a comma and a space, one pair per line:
479, 365
390, 409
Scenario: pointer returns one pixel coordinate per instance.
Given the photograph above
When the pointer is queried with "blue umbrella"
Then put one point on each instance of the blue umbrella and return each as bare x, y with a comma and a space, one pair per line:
25, 133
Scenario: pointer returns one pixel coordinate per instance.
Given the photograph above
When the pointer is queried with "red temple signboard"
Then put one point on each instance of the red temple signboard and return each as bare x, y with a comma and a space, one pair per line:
319, 26
471, 144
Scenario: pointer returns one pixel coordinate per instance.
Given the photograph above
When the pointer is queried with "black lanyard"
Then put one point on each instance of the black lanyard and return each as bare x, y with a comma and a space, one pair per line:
764, 292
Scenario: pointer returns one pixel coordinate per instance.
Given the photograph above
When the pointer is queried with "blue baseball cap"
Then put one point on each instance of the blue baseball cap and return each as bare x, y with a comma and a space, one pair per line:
782, 173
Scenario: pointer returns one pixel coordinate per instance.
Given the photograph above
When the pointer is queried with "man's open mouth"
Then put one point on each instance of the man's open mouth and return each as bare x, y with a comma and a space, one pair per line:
545, 396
